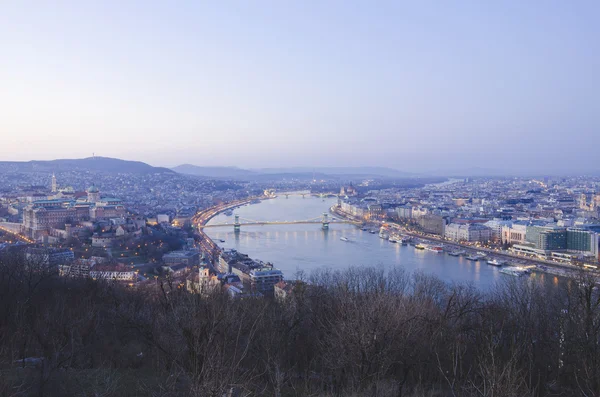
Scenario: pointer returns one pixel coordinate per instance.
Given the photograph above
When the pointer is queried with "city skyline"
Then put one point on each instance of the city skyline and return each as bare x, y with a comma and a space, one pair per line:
418, 88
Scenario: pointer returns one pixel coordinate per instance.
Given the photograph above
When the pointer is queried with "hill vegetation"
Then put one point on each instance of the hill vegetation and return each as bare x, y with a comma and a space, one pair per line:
90, 164
354, 333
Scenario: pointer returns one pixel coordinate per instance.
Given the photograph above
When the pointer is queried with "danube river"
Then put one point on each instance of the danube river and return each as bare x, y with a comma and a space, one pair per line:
307, 247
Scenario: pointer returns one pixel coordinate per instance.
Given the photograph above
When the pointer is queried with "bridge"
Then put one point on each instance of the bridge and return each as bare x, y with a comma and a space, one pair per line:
323, 220
273, 193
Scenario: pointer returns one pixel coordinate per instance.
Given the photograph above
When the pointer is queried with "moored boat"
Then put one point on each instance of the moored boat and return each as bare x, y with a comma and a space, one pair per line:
514, 271
434, 248
495, 262
383, 233
474, 258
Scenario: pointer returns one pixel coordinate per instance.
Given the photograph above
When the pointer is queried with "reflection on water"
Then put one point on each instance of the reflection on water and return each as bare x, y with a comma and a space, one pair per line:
307, 247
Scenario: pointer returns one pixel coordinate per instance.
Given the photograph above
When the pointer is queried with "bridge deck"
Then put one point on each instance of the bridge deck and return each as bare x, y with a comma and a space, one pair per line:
277, 223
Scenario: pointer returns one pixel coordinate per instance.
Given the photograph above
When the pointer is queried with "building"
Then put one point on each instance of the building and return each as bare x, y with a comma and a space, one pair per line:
433, 224
354, 209
496, 226
187, 258
547, 238
404, 212
113, 272
582, 241
514, 234
283, 290
202, 282
41, 216
79, 268
348, 190
375, 211
49, 256
470, 232
264, 280
162, 218
102, 241
93, 194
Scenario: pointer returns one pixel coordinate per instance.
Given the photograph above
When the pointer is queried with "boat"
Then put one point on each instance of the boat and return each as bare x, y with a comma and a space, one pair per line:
228, 212
457, 253
383, 234
474, 257
364, 229
420, 246
482, 254
434, 248
514, 271
221, 240
372, 231
344, 239
393, 239
405, 240
495, 262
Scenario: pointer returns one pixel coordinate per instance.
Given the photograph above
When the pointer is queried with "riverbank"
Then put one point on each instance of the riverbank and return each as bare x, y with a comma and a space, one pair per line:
539, 265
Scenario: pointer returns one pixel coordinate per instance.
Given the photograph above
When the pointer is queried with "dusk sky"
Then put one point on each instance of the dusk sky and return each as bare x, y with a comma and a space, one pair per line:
417, 86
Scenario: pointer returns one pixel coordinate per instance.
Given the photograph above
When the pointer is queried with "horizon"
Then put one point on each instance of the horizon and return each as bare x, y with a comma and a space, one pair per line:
474, 171
414, 87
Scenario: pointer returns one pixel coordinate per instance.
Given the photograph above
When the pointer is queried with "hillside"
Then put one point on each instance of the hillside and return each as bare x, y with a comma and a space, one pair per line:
213, 172
290, 172
92, 164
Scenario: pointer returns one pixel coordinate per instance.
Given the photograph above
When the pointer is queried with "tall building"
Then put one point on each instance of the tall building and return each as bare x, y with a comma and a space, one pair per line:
547, 238
581, 240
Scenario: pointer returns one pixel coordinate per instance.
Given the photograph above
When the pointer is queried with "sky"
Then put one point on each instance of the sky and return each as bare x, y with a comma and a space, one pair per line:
417, 86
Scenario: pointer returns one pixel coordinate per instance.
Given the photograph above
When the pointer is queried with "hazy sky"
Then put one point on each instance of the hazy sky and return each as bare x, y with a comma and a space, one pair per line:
413, 85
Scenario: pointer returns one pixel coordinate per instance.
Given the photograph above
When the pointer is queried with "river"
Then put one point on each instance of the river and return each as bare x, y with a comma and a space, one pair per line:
307, 247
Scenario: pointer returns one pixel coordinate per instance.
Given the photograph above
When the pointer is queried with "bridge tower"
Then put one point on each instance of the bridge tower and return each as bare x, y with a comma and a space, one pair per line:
236, 224
325, 221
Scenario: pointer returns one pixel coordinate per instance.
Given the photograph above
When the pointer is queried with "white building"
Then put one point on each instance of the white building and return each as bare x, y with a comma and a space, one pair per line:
496, 226
117, 273
470, 232
514, 234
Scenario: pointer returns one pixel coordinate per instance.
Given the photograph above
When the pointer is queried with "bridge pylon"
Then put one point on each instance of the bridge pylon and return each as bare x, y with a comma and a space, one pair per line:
236, 224
325, 221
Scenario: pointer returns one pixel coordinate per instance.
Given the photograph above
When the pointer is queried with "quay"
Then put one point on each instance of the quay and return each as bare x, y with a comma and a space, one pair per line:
541, 265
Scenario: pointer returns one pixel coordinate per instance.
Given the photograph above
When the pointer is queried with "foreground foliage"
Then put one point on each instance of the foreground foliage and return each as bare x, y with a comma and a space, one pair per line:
361, 332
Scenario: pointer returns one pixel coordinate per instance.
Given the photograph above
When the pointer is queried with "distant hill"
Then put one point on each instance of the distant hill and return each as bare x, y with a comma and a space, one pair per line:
213, 172
292, 172
340, 171
94, 164
470, 172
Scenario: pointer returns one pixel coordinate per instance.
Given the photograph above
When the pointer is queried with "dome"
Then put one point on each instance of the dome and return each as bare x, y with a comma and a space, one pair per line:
93, 189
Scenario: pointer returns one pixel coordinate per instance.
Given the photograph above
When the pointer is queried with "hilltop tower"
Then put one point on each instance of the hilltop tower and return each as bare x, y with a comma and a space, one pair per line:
54, 185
